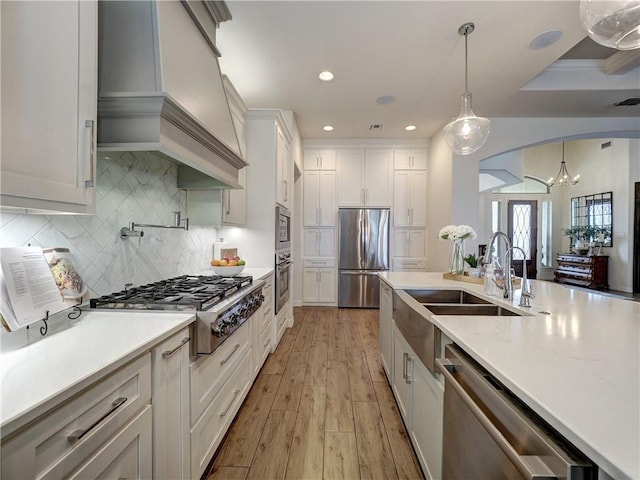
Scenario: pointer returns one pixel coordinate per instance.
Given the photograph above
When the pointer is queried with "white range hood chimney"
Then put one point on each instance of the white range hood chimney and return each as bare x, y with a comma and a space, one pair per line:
160, 88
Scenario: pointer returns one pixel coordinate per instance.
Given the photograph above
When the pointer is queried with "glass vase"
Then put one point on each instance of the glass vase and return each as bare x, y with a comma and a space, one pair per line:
457, 257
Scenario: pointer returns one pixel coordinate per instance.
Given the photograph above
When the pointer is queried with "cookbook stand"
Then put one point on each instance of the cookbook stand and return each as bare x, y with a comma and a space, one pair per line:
75, 312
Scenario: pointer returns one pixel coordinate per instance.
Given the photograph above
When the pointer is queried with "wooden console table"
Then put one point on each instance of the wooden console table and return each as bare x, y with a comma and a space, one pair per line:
583, 270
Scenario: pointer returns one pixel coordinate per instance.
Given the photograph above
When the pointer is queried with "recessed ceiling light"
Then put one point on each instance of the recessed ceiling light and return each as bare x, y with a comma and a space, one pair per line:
326, 76
410, 128
545, 39
327, 128
385, 100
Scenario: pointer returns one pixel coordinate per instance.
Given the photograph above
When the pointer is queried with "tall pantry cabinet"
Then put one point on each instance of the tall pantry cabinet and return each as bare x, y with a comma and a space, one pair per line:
409, 210
319, 221
49, 105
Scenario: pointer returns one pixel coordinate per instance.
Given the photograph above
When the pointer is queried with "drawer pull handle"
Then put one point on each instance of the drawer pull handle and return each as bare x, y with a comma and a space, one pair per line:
266, 344
78, 434
168, 353
226, 410
235, 348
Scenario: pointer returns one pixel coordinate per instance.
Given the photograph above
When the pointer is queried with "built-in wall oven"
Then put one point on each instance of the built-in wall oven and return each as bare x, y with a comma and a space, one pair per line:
283, 228
283, 275
489, 433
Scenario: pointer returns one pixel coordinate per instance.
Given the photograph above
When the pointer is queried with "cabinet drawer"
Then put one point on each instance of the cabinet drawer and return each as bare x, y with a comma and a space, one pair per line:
318, 262
127, 455
209, 431
208, 373
61, 440
267, 317
265, 342
410, 264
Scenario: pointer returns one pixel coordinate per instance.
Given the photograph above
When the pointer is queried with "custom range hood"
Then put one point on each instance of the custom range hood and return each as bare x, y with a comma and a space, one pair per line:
160, 88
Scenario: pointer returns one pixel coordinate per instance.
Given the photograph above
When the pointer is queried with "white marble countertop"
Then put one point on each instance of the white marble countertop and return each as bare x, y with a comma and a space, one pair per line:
578, 367
39, 372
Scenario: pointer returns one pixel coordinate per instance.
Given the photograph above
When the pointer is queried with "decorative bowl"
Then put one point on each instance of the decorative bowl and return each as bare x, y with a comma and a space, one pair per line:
228, 271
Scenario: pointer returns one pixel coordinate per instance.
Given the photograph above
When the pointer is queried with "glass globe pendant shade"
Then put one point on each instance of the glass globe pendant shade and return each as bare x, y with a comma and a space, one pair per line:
467, 133
612, 23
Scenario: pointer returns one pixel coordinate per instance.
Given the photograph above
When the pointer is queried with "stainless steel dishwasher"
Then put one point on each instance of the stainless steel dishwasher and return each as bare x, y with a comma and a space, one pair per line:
489, 434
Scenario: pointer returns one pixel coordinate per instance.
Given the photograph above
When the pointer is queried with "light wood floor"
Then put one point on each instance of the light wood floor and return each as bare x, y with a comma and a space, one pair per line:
320, 408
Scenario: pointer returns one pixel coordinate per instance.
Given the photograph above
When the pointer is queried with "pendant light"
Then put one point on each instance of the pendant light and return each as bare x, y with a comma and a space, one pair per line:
612, 23
467, 133
563, 178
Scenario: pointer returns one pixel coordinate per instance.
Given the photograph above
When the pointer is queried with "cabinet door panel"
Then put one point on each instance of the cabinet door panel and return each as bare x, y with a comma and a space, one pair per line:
402, 159
419, 159
311, 208
326, 243
416, 243
49, 101
378, 181
326, 286
309, 284
386, 339
327, 199
350, 178
418, 198
426, 431
401, 198
402, 364
311, 242
401, 243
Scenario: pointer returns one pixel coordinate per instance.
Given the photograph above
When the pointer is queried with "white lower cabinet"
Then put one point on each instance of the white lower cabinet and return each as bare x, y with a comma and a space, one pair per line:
218, 384
106, 428
318, 285
420, 396
209, 430
170, 379
426, 427
386, 338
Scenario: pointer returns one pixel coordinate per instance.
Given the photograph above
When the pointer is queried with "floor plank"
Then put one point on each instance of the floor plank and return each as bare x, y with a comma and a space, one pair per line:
317, 365
290, 388
228, 473
270, 461
374, 454
243, 437
403, 454
340, 456
339, 415
307, 446
359, 377
277, 361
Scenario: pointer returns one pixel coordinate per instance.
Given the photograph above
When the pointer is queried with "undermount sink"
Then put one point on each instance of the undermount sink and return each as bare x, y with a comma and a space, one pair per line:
446, 296
487, 309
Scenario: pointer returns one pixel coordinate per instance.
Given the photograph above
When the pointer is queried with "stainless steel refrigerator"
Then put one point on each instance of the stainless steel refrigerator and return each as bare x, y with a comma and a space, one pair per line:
363, 252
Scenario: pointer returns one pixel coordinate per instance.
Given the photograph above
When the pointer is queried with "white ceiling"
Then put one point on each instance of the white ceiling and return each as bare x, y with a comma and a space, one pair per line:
273, 51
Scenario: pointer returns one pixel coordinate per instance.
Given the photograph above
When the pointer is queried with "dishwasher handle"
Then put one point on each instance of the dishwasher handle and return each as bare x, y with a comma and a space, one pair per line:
529, 466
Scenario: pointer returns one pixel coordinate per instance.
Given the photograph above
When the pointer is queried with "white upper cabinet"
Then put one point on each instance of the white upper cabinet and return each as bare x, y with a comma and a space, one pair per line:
319, 242
49, 99
410, 159
410, 198
319, 201
408, 243
319, 159
283, 171
364, 178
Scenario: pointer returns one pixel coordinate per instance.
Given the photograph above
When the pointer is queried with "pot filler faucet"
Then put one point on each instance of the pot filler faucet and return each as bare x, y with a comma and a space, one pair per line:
507, 286
130, 231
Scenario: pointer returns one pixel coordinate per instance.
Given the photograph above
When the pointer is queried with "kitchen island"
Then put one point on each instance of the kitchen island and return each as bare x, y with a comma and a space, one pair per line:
572, 357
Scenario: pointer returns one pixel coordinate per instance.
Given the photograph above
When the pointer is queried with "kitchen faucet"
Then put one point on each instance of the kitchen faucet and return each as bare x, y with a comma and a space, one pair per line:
526, 295
507, 287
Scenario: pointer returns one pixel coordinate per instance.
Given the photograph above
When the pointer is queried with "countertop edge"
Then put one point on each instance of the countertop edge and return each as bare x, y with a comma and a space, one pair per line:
22, 420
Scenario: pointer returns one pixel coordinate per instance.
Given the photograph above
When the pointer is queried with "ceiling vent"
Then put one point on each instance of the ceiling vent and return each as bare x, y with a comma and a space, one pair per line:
375, 127
628, 102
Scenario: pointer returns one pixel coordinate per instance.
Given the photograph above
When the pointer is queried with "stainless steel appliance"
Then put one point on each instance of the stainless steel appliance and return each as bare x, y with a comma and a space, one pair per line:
283, 228
489, 433
221, 304
363, 252
283, 275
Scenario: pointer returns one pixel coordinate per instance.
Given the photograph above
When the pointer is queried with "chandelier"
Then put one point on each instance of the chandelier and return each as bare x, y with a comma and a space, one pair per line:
467, 133
563, 178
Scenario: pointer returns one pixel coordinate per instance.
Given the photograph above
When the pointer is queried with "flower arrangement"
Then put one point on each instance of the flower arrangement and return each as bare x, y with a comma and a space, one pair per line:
457, 234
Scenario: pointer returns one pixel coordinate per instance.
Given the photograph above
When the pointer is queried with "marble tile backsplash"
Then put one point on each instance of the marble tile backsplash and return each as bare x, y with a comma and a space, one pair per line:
131, 187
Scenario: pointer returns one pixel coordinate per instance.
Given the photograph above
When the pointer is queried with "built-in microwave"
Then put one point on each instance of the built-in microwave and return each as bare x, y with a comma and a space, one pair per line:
283, 228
